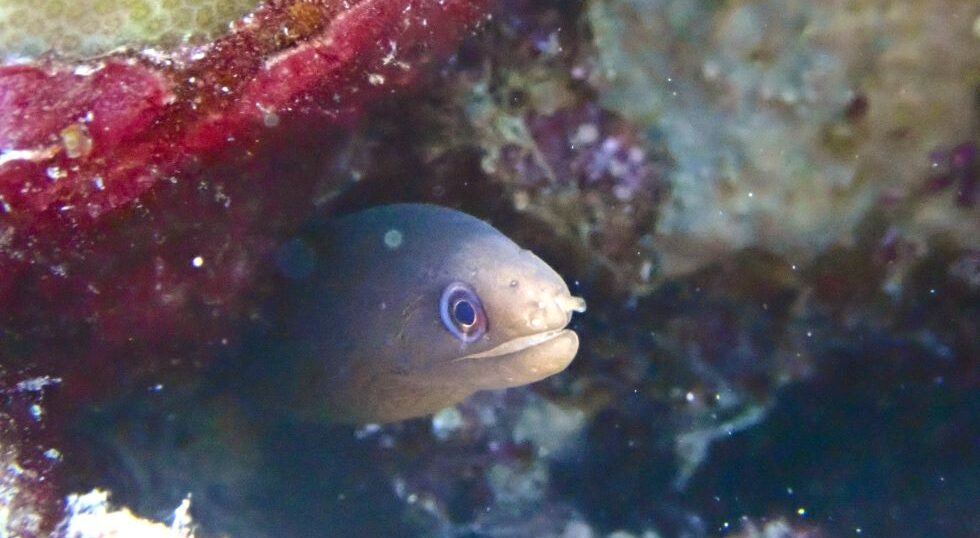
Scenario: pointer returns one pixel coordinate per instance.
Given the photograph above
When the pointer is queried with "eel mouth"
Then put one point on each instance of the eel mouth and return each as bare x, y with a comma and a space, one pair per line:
525, 359
516, 345
519, 361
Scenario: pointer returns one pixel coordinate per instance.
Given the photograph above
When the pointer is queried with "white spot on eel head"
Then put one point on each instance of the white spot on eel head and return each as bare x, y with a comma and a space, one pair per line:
393, 238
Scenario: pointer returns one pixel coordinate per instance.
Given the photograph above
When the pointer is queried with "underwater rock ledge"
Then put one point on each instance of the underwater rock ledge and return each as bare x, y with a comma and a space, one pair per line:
140, 191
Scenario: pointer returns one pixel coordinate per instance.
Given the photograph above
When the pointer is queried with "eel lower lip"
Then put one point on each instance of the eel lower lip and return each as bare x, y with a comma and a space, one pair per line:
516, 345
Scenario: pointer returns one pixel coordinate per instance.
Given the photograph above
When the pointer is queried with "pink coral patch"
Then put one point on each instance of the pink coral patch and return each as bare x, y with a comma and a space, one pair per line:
140, 195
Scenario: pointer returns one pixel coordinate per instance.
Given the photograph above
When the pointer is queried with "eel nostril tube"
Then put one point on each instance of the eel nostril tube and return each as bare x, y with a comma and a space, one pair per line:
570, 303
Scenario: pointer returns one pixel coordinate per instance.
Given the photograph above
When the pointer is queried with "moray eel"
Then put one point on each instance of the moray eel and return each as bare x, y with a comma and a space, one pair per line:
401, 310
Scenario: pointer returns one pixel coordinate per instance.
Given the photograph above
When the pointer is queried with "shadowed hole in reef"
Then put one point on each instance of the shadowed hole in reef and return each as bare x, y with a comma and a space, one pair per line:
621, 478
329, 481
249, 476
883, 440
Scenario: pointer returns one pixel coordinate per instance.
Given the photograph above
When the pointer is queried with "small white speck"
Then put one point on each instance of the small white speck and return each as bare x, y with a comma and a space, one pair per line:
37, 411
367, 431
55, 173
587, 133
86, 70
646, 269
270, 119
751, 194
809, 334
393, 238
198, 261
9, 155
37, 384
376, 79
522, 200
801, 511
689, 396
447, 422
52, 454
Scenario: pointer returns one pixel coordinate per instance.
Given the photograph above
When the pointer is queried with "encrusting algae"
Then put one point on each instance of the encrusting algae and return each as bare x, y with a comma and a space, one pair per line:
91, 27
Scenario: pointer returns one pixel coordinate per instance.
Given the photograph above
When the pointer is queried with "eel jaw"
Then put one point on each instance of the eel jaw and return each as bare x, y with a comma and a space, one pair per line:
529, 358
515, 345
520, 361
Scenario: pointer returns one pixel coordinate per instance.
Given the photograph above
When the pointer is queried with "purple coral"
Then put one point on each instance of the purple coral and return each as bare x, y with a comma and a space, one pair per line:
592, 147
959, 167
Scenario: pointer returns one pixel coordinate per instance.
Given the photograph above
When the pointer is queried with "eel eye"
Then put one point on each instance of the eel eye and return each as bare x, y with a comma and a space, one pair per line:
462, 313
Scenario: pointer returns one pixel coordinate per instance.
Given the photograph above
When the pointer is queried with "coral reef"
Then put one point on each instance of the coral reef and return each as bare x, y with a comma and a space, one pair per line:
91, 516
141, 191
770, 207
89, 27
789, 120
